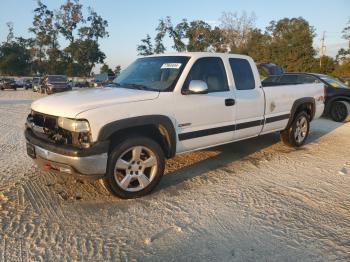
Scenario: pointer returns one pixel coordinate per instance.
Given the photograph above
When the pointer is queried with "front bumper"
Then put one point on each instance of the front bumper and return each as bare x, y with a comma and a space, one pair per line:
93, 167
53, 90
84, 163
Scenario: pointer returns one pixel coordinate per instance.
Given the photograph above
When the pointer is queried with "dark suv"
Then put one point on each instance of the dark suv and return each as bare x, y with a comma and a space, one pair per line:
54, 84
337, 94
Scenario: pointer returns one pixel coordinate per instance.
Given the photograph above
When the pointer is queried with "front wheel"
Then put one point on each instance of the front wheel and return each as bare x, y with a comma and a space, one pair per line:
135, 167
298, 132
340, 111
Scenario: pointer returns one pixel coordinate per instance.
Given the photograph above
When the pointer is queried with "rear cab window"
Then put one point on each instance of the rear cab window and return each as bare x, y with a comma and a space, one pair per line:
242, 74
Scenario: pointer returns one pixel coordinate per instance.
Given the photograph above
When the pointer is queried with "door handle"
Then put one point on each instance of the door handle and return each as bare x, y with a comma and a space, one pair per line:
230, 102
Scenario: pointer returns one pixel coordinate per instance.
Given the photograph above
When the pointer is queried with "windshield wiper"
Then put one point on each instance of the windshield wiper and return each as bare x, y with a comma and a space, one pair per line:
138, 86
113, 84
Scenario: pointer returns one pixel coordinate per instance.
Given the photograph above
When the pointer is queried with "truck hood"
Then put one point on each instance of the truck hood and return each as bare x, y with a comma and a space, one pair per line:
69, 104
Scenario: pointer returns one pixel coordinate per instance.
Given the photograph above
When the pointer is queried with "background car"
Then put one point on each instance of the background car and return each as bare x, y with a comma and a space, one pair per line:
8, 83
54, 84
337, 94
103, 79
267, 69
36, 84
24, 83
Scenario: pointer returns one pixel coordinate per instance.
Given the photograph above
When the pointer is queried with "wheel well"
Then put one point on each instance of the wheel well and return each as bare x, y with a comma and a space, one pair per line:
308, 107
158, 133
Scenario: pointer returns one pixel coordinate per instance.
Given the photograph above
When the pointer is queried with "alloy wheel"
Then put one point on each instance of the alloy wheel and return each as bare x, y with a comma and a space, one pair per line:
135, 168
301, 129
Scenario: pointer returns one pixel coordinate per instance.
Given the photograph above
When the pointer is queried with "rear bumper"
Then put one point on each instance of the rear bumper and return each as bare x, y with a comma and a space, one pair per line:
84, 163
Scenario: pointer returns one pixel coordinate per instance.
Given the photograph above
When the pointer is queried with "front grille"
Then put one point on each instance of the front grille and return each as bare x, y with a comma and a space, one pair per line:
45, 127
45, 121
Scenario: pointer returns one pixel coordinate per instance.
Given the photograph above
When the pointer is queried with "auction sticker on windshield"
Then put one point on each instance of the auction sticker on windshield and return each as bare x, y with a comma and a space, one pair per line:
171, 66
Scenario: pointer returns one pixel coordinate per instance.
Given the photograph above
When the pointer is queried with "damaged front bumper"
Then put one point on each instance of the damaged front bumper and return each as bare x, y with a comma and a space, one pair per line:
67, 160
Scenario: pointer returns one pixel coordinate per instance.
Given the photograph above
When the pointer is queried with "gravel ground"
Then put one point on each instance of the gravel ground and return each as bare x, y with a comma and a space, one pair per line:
255, 200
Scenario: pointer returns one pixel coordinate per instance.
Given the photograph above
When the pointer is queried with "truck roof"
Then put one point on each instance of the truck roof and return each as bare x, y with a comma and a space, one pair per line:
202, 54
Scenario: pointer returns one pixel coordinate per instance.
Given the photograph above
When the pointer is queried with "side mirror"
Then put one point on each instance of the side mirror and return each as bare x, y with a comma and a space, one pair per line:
196, 87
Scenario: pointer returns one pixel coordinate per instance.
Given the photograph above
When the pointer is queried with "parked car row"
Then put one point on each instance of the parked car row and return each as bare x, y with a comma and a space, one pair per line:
10, 83
52, 84
48, 84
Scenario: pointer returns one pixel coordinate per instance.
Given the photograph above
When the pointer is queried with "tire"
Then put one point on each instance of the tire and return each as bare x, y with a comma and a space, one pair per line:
297, 133
133, 177
340, 111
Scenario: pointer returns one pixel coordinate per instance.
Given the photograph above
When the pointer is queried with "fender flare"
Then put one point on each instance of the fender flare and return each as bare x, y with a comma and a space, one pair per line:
297, 103
161, 122
335, 98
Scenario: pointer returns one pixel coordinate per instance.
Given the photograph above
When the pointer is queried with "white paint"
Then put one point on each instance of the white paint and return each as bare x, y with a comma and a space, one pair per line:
103, 106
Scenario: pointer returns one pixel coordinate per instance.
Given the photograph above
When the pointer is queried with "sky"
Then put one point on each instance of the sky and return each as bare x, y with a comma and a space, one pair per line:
130, 20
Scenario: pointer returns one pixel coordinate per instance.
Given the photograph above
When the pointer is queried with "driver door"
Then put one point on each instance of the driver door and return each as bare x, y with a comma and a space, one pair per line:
205, 119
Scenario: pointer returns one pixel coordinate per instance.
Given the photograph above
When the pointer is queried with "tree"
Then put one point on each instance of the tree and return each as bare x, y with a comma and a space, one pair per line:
178, 34
343, 54
117, 70
258, 46
68, 18
346, 32
291, 44
46, 37
236, 29
217, 41
105, 69
146, 47
97, 28
199, 37
85, 55
10, 34
343, 69
328, 65
14, 58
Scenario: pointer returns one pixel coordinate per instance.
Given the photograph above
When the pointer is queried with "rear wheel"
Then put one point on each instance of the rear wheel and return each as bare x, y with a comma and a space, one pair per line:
298, 132
340, 111
135, 167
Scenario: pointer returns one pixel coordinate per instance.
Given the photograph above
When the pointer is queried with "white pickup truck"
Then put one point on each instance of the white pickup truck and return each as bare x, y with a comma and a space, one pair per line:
161, 106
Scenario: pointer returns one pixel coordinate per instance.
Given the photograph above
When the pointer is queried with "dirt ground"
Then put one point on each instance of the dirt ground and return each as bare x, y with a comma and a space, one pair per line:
255, 200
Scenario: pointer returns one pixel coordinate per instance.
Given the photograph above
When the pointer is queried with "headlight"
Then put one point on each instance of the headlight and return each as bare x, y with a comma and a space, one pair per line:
73, 125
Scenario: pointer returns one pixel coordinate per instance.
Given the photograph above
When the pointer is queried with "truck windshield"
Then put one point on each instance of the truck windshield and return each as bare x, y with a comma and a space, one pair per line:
153, 73
57, 79
333, 82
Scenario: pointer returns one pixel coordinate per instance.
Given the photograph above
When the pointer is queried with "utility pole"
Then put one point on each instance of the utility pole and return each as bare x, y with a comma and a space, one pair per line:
322, 48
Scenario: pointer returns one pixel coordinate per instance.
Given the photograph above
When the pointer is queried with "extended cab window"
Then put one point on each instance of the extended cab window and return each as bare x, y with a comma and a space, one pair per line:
210, 70
242, 74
